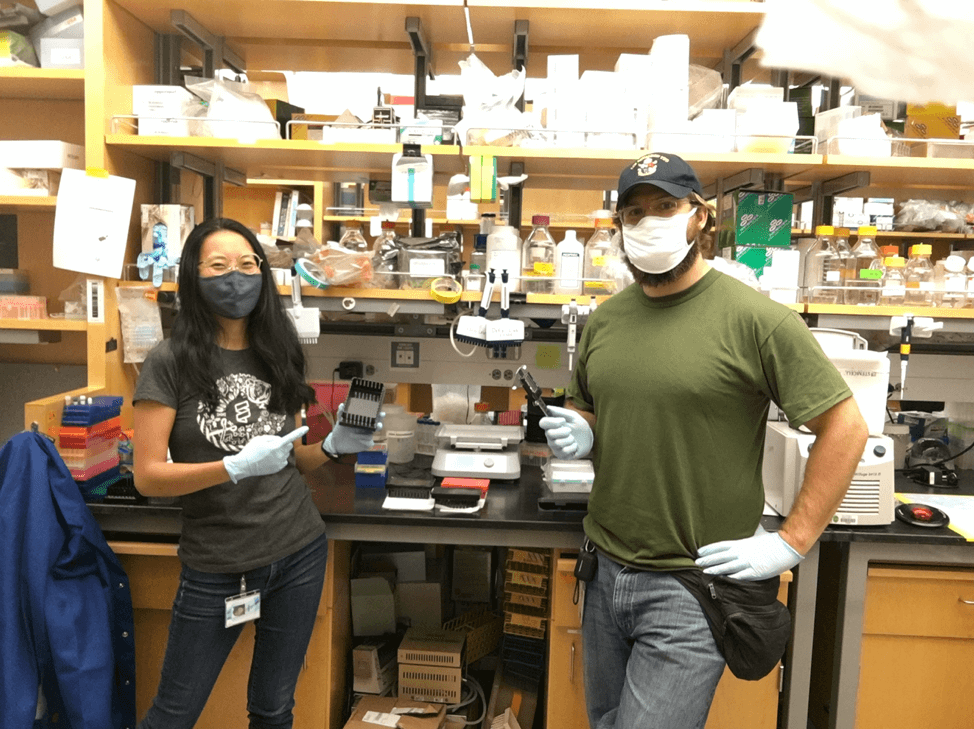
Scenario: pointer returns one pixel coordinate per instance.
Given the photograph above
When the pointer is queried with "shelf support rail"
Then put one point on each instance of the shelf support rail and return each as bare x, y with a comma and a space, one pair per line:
822, 194
216, 52
423, 53
730, 66
520, 59
214, 174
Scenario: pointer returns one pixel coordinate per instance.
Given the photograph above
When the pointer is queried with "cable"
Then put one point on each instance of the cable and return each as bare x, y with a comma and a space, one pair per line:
453, 341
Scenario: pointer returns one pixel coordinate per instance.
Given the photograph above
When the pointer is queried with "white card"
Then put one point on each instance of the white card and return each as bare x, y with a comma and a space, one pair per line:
242, 608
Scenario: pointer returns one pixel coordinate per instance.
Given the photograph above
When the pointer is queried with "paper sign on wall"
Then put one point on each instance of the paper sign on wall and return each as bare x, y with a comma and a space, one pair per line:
91, 222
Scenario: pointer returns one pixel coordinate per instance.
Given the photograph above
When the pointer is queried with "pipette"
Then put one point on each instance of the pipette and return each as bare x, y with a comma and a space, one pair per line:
905, 333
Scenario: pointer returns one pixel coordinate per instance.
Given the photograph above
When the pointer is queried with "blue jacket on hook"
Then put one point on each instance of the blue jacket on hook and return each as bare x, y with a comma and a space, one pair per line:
65, 605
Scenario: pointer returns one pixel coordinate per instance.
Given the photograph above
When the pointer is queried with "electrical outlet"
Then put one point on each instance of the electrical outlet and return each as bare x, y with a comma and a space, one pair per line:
405, 354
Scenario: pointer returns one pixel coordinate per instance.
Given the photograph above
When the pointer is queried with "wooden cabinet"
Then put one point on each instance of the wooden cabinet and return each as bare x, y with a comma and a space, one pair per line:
737, 704
153, 571
917, 648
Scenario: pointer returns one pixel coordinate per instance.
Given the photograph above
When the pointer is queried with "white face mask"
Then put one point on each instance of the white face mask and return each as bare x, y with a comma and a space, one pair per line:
657, 245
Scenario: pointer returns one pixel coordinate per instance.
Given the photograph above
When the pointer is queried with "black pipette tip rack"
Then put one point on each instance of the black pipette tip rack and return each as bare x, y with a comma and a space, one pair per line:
363, 404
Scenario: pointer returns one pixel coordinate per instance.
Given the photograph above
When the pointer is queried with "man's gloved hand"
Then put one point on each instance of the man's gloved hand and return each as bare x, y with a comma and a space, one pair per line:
343, 439
567, 432
263, 455
755, 558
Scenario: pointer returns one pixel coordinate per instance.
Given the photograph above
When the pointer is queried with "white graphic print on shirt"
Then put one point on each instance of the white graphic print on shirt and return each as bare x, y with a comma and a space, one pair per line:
240, 414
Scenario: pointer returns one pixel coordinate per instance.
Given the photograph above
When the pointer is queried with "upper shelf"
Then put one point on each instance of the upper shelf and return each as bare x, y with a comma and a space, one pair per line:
27, 203
42, 83
331, 35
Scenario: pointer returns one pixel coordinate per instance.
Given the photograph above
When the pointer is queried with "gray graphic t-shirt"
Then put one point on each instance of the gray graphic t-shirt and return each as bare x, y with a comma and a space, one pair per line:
231, 527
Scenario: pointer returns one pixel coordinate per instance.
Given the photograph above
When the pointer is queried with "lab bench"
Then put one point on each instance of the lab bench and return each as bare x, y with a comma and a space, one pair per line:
511, 517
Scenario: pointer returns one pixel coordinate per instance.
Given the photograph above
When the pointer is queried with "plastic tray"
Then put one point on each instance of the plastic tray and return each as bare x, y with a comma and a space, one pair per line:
102, 408
73, 436
86, 474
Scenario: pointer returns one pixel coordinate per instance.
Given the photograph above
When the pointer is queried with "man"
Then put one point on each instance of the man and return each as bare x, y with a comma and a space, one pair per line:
671, 394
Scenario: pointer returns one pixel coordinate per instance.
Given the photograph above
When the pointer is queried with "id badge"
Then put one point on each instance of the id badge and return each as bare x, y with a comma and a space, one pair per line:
243, 607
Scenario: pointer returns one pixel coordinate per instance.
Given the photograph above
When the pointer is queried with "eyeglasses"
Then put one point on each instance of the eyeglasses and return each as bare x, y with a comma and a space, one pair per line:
665, 207
248, 264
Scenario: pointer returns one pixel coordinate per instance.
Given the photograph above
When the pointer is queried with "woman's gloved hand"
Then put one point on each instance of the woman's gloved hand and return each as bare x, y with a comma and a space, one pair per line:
754, 558
263, 455
568, 433
342, 439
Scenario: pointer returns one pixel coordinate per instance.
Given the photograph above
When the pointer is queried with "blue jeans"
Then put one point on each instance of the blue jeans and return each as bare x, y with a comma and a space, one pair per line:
290, 590
650, 659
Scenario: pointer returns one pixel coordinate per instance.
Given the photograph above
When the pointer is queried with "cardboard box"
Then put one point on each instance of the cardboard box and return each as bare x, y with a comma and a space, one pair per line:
304, 131
932, 121
166, 227
31, 154
432, 716
756, 217
62, 53
421, 603
374, 666
68, 23
373, 607
757, 258
283, 113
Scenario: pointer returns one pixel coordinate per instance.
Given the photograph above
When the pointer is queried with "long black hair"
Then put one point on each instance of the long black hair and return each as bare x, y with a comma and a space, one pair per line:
271, 333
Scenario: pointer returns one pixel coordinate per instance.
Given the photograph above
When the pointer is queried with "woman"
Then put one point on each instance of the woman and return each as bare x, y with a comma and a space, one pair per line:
224, 395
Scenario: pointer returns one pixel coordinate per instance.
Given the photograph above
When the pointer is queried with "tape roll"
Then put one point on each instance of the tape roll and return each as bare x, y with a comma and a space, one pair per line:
445, 290
311, 273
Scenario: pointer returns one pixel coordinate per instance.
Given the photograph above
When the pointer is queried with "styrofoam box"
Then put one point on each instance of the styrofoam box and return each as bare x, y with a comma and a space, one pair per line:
34, 154
61, 53
53, 7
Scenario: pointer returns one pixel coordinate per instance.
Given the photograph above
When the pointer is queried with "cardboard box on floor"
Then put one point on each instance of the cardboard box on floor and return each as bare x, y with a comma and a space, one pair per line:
433, 716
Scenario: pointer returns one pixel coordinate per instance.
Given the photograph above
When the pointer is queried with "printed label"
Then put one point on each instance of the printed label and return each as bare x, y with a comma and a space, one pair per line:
544, 269
599, 260
833, 276
870, 274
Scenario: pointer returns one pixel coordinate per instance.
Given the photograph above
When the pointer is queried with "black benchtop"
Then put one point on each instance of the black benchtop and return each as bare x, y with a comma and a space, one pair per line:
510, 505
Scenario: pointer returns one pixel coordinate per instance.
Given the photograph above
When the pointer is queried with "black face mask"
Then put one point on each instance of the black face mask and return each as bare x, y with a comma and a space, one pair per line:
232, 295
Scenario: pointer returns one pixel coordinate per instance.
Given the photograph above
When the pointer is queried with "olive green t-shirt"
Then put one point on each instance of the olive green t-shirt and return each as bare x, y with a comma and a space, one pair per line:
680, 387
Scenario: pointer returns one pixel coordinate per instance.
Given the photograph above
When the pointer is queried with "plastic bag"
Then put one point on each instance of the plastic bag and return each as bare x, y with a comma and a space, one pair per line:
75, 299
706, 89
490, 113
344, 267
919, 215
141, 323
232, 111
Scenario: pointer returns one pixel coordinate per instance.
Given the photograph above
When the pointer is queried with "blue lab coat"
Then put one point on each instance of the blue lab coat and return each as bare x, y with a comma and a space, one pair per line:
65, 604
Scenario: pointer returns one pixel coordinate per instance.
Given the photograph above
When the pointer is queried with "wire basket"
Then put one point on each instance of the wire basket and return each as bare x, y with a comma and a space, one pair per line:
483, 629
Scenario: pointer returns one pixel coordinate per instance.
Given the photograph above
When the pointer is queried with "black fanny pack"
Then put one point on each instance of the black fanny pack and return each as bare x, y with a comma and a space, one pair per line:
750, 626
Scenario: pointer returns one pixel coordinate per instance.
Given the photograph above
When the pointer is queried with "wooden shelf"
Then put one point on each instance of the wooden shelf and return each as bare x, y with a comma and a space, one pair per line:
27, 203
42, 83
849, 310
46, 325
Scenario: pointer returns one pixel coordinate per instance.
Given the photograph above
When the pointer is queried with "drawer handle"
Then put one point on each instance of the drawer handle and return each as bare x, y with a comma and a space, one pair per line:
966, 602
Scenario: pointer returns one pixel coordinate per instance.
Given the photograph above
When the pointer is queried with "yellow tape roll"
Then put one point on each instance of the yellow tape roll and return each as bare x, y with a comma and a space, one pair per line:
445, 290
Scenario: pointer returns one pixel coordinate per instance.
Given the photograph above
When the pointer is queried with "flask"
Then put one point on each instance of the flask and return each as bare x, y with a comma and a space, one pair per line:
538, 258
385, 257
864, 287
822, 272
955, 283
919, 276
353, 238
568, 265
894, 282
504, 253
598, 254
847, 265
482, 416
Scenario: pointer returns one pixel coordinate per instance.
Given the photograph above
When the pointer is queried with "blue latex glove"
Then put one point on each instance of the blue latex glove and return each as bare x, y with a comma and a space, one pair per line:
755, 558
263, 455
568, 433
343, 439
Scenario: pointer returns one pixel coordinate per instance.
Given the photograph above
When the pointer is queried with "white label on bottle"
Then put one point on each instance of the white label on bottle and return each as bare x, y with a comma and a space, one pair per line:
926, 286
570, 270
894, 291
833, 276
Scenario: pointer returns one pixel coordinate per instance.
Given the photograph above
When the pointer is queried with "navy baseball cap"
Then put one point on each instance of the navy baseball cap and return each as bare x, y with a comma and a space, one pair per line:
665, 171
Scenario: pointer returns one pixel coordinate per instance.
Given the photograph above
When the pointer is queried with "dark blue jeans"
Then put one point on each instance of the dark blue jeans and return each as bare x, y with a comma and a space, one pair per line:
650, 659
199, 643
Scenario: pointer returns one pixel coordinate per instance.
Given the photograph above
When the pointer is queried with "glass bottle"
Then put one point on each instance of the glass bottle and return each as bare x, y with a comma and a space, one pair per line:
385, 257
353, 239
598, 253
847, 265
504, 253
822, 272
894, 282
538, 258
865, 286
476, 274
955, 283
919, 276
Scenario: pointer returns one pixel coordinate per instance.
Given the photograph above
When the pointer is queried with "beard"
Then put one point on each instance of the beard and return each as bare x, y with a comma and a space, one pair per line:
667, 277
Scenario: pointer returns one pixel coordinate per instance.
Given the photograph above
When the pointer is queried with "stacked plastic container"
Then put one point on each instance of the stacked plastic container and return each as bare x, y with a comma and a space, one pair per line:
88, 443
526, 600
